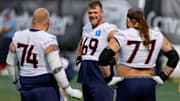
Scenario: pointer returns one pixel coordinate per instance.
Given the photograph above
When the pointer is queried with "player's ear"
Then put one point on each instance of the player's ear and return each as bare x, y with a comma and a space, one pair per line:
129, 23
128, 19
102, 11
48, 21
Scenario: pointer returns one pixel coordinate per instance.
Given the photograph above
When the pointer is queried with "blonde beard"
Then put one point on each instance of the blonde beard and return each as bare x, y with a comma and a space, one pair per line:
95, 24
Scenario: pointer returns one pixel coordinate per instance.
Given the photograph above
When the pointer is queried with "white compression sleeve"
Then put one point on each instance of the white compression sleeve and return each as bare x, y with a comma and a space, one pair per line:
11, 66
53, 59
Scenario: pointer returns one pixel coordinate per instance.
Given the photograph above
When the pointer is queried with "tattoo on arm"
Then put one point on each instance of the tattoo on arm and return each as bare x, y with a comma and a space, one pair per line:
168, 70
51, 48
166, 45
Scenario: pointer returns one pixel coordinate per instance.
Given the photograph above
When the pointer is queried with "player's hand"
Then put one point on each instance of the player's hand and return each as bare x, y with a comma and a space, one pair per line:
158, 80
74, 93
78, 60
115, 80
17, 85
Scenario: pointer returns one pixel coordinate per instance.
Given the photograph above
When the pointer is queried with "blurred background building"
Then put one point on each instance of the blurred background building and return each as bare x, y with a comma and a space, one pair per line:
68, 17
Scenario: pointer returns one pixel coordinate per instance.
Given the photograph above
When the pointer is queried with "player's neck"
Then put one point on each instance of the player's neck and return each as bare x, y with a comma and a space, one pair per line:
100, 22
38, 27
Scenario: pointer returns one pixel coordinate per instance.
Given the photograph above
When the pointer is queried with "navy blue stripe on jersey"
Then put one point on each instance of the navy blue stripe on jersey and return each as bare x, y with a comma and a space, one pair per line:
34, 30
117, 40
38, 81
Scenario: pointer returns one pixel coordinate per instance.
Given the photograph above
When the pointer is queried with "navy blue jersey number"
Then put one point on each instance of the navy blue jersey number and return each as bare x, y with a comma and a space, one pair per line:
136, 48
34, 60
93, 44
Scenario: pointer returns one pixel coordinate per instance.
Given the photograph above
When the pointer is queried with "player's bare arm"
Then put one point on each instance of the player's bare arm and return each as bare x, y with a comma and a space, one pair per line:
172, 56
53, 59
11, 47
51, 48
109, 53
166, 46
111, 34
11, 66
52, 55
105, 70
79, 49
79, 52
114, 45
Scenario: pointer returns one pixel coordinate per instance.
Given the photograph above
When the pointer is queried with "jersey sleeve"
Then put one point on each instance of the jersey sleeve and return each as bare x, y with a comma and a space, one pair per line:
85, 29
110, 28
50, 40
120, 38
14, 39
156, 34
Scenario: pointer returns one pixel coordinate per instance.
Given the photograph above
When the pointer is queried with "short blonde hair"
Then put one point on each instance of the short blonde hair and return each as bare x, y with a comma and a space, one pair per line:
41, 16
94, 3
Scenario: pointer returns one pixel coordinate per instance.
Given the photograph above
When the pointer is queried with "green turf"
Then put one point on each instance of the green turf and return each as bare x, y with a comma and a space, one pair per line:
7, 91
167, 92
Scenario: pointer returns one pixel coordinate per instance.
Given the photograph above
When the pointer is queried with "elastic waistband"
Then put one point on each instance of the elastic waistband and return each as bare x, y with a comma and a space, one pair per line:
90, 61
132, 77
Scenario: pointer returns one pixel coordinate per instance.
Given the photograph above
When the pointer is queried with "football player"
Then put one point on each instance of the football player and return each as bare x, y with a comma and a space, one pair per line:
95, 37
138, 49
38, 55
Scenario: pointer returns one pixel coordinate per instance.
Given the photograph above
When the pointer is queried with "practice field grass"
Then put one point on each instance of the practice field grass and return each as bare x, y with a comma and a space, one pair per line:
167, 92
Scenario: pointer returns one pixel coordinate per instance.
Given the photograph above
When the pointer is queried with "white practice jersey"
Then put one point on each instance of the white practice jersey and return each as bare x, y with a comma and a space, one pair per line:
30, 46
133, 52
95, 40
